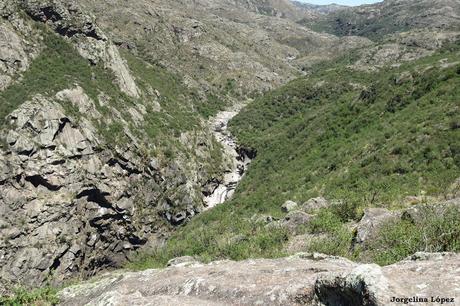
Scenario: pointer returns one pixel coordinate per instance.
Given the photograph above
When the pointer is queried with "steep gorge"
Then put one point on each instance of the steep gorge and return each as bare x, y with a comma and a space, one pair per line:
122, 125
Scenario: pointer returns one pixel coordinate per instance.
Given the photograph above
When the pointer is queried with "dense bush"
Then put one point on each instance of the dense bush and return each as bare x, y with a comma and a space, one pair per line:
23, 297
370, 146
437, 230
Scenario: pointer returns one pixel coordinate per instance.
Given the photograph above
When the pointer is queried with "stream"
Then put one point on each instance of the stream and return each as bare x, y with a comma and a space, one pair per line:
239, 158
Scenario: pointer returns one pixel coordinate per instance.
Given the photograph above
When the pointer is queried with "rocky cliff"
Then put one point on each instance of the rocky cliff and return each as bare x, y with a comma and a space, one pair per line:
86, 173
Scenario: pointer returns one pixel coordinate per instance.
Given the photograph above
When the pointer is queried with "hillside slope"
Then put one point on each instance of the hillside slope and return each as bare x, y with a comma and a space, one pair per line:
223, 45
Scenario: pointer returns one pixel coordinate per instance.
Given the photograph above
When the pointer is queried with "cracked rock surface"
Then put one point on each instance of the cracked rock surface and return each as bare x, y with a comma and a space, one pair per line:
303, 279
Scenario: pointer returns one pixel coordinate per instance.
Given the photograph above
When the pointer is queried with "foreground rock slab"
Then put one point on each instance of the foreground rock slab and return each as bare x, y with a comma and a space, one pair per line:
303, 279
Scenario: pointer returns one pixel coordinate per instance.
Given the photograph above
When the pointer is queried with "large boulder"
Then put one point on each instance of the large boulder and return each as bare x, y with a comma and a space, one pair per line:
419, 213
315, 204
303, 279
293, 222
289, 206
372, 221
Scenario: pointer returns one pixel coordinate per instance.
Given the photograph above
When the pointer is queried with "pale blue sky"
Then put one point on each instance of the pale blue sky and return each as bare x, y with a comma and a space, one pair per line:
344, 2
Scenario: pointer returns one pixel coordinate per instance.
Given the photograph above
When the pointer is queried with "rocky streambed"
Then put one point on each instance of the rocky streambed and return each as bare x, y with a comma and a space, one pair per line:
239, 159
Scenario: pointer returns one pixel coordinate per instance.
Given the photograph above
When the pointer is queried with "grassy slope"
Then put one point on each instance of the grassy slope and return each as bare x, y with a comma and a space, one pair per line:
364, 138
377, 144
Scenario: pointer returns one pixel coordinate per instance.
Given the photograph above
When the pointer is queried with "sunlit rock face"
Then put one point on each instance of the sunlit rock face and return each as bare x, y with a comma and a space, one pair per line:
303, 279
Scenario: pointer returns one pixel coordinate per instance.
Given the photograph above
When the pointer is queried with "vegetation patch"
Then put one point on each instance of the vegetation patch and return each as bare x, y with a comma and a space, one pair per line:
437, 230
22, 297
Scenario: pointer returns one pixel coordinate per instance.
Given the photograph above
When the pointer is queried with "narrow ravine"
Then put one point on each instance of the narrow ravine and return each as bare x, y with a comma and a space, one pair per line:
239, 158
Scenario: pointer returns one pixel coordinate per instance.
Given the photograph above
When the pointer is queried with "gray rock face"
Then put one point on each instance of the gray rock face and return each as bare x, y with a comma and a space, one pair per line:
64, 204
315, 204
18, 47
70, 206
304, 279
12, 54
372, 220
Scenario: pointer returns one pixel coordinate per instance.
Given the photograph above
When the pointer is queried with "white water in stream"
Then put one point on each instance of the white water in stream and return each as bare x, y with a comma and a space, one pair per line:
239, 161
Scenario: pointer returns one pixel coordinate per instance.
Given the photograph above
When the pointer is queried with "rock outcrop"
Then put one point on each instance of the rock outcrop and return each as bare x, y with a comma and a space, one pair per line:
289, 206
72, 201
67, 207
12, 55
18, 45
304, 279
371, 222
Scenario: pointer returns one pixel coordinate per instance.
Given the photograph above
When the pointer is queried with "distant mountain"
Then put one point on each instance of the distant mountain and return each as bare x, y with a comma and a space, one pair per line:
279, 8
376, 20
254, 43
323, 9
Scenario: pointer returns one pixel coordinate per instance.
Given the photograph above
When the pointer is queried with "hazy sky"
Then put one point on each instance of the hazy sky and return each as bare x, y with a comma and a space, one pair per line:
345, 2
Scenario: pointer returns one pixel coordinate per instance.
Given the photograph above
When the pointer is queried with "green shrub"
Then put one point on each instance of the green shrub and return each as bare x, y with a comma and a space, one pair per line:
42, 296
435, 231
337, 243
335, 238
216, 234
